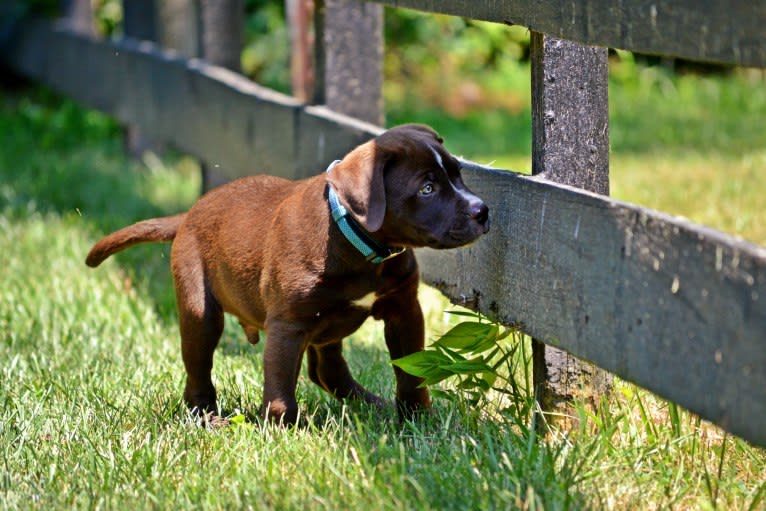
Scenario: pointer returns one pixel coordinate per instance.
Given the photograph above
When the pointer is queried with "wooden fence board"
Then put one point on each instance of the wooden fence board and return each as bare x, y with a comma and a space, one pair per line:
674, 307
708, 30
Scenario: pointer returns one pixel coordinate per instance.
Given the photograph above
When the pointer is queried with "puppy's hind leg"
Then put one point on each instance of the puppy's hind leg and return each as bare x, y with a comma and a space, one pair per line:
328, 369
201, 323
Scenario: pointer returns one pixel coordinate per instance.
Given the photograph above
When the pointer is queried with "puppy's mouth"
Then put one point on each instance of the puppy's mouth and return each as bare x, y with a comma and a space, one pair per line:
463, 231
466, 234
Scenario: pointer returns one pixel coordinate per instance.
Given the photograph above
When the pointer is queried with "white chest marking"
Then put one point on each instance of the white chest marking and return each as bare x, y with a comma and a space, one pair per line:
364, 302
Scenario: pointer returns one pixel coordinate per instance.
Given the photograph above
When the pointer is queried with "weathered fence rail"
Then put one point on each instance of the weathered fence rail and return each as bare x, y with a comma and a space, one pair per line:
675, 307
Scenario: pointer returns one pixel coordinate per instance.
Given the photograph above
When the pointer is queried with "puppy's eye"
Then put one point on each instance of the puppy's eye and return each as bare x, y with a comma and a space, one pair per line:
426, 189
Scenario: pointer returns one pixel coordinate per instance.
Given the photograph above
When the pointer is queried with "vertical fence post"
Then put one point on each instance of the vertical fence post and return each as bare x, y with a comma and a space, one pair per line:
139, 22
178, 26
349, 66
570, 145
139, 19
301, 43
212, 29
222, 32
79, 15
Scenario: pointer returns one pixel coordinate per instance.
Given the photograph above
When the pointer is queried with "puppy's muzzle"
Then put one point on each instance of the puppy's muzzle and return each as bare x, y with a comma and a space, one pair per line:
472, 223
479, 213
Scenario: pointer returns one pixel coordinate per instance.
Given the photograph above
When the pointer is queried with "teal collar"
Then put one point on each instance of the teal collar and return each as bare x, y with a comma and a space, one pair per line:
373, 251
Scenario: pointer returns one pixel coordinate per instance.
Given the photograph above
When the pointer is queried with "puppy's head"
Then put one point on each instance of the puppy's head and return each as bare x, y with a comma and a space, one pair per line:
405, 189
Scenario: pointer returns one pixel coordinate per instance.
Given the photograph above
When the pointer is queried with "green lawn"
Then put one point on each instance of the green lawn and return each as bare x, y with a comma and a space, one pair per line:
91, 414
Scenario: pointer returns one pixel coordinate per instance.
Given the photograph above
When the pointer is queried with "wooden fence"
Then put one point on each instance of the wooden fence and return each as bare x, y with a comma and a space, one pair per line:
675, 307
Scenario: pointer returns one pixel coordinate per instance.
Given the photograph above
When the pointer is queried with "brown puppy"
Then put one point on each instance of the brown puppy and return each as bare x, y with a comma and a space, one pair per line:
308, 261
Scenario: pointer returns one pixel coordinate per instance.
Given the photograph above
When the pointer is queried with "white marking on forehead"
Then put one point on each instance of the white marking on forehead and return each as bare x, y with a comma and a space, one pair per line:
438, 158
449, 180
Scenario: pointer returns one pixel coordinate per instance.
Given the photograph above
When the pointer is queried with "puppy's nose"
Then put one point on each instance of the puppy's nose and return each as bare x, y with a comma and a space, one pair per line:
479, 212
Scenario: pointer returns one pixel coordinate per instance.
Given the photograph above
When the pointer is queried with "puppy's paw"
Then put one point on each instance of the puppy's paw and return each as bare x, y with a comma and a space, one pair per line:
280, 412
413, 406
201, 403
373, 399
214, 421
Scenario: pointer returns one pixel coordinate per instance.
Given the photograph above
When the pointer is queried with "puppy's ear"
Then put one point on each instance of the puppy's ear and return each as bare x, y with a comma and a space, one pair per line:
358, 180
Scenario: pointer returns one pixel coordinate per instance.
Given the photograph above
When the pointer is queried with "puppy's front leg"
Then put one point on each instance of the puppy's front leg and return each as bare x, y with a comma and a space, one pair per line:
405, 334
281, 364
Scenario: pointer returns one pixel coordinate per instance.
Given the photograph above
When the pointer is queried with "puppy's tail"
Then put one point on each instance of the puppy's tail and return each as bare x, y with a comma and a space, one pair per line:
147, 231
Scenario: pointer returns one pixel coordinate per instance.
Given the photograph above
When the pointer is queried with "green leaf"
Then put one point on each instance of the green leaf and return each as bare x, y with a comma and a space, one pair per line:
473, 384
489, 377
420, 363
440, 394
486, 343
476, 365
469, 336
452, 354
506, 332
238, 419
435, 377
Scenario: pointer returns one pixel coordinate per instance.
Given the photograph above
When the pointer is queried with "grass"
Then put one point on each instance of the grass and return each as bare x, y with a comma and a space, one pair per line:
91, 414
